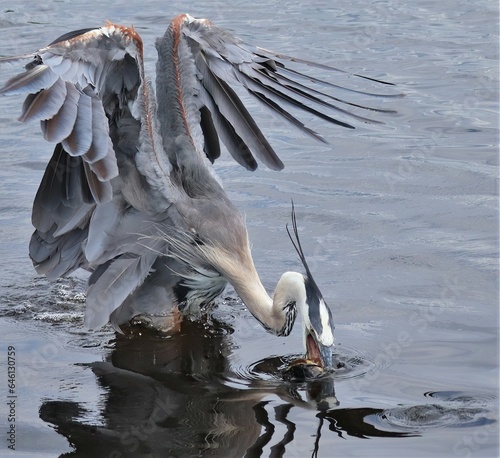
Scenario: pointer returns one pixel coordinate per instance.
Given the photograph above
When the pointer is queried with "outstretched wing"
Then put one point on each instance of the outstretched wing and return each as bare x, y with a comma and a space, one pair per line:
108, 172
224, 62
89, 91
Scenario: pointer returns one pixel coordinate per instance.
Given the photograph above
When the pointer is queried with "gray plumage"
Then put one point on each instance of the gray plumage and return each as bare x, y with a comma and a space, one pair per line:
130, 193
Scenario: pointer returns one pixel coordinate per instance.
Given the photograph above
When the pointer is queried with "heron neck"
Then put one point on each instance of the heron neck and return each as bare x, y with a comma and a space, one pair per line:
257, 300
271, 312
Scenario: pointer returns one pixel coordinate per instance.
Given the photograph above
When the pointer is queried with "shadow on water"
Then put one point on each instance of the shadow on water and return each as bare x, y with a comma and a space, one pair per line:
179, 397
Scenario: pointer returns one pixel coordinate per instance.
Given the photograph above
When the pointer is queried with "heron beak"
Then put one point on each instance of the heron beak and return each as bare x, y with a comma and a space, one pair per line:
320, 354
319, 327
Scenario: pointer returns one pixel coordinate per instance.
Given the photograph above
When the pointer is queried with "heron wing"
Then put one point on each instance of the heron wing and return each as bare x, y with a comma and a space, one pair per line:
90, 93
108, 173
225, 63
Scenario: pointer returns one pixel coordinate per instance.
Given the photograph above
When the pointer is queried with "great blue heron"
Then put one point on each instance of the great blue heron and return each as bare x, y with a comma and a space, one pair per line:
130, 193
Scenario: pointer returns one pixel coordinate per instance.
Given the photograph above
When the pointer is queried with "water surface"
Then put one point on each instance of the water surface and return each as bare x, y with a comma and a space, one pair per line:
399, 223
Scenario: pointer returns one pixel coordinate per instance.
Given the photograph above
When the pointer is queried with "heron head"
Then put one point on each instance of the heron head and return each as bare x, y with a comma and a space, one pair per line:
317, 317
318, 327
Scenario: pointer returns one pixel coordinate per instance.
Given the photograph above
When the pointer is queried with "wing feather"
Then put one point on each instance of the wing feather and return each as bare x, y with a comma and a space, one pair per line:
234, 143
45, 103
79, 140
101, 191
101, 144
112, 284
60, 126
230, 107
286, 115
31, 81
225, 62
56, 256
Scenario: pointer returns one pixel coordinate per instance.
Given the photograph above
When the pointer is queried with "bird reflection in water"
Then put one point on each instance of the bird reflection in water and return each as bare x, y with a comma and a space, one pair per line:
180, 397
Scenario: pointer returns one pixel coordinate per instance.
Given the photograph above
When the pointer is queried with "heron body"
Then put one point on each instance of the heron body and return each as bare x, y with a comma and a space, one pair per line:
130, 193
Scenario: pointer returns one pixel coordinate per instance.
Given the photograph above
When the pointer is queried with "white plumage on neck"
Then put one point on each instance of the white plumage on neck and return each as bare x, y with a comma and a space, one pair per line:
290, 288
275, 313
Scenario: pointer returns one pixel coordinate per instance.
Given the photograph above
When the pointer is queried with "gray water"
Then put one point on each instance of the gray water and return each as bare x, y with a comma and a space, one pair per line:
399, 223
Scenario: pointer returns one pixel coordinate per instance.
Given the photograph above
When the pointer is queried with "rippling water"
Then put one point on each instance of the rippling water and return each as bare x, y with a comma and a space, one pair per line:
399, 223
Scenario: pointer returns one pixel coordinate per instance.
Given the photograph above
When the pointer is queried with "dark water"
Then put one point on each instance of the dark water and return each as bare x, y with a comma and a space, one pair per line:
399, 223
